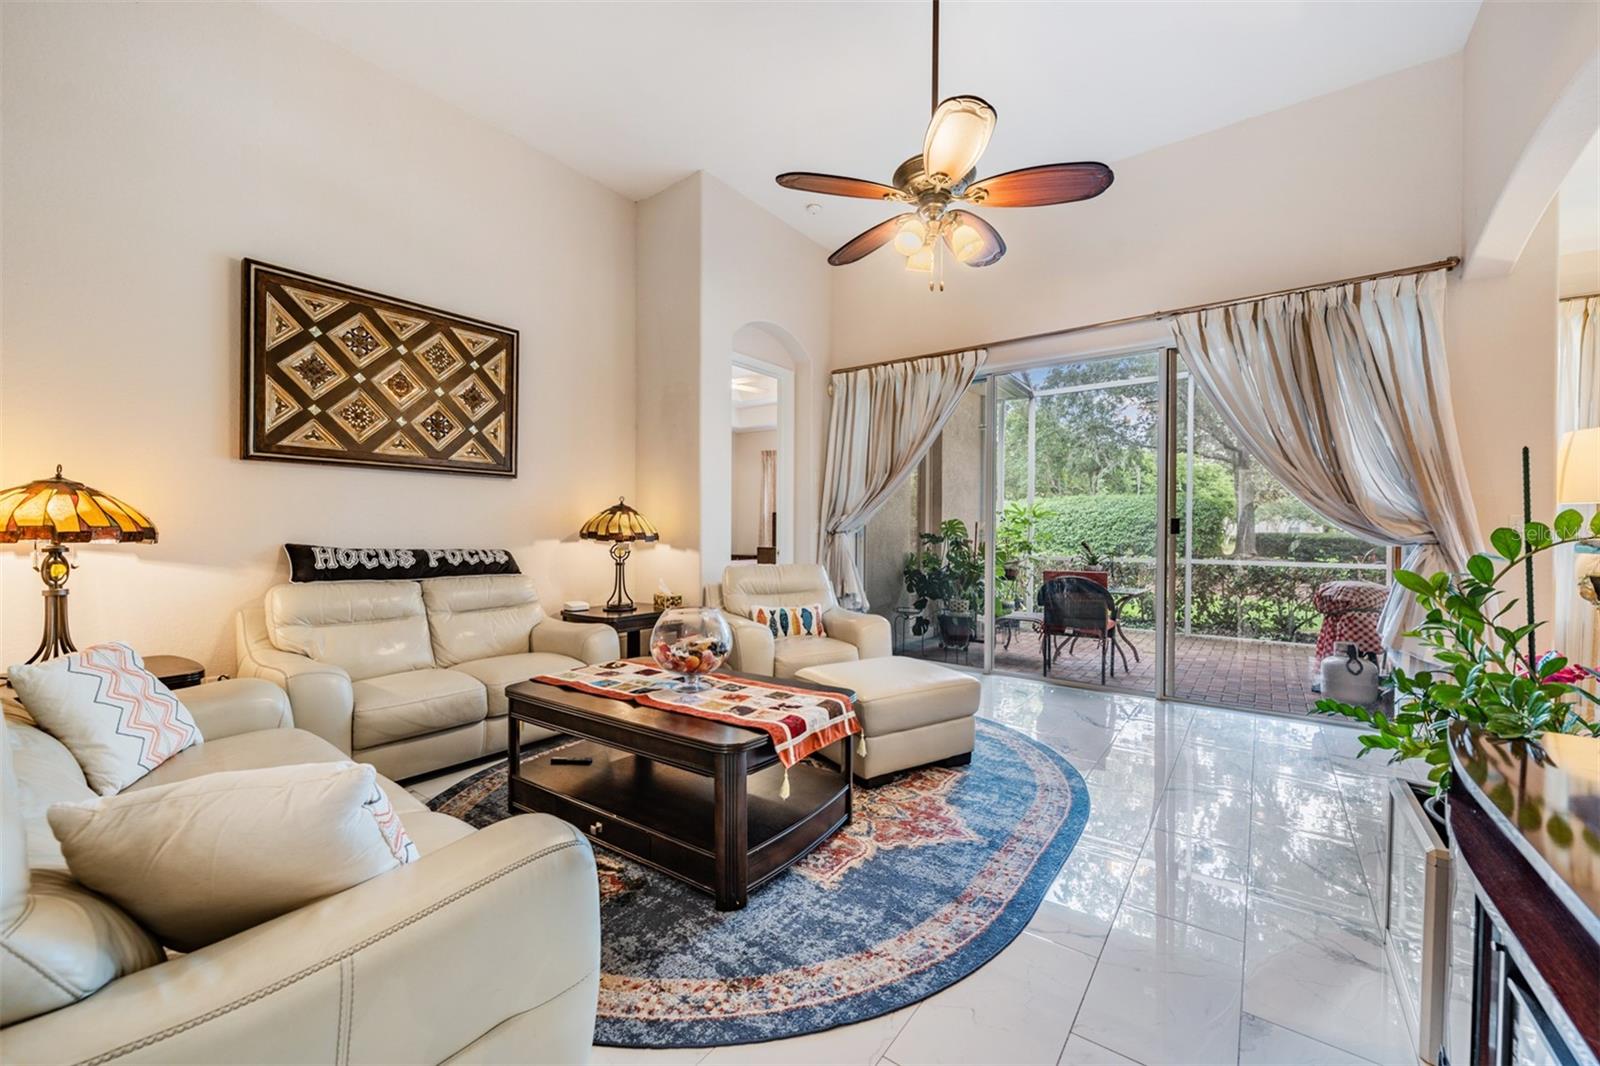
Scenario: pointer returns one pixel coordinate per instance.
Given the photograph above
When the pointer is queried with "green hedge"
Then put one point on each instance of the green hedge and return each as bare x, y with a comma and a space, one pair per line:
1121, 524
1317, 548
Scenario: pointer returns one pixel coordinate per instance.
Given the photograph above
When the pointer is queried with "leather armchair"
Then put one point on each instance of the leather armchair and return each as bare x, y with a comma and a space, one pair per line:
851, 635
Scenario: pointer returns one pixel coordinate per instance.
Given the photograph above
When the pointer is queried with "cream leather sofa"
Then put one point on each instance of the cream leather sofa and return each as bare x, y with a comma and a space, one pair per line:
410, 676
851, 635
486, 949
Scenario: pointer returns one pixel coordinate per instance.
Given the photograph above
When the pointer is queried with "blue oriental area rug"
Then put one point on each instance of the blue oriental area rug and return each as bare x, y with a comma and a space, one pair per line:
937, 871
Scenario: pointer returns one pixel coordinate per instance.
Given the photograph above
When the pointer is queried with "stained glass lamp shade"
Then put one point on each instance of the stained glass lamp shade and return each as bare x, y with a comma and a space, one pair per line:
621, 525
62, 512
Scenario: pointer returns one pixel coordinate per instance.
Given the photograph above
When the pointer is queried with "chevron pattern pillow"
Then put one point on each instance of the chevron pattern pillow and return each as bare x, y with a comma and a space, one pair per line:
118, 720
803, 621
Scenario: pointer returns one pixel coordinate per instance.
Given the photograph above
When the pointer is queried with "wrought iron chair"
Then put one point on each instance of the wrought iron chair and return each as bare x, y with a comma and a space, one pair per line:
1075, 608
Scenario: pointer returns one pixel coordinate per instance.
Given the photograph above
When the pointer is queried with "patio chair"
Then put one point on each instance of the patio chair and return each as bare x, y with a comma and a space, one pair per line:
1077, 607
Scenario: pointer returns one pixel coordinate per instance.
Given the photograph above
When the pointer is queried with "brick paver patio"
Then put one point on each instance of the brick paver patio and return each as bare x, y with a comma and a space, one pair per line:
1251, 674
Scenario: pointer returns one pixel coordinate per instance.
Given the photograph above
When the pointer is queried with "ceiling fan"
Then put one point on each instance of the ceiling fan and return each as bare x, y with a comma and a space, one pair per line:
945, 174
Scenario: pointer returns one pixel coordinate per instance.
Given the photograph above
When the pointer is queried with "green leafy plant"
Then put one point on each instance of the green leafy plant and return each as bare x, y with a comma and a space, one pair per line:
1484, 675
1014, 533
947, 570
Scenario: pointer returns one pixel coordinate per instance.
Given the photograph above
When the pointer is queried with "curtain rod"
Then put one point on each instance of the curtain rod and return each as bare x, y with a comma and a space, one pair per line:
1448, 263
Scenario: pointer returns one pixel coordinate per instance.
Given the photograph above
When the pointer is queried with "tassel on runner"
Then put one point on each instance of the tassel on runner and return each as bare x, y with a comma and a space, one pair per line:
783, 792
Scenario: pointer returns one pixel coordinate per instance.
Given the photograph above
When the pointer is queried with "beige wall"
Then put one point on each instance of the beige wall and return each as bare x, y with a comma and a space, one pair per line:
1531, 102
1500, 333
745, 486
667, 385
148, 147
758, 270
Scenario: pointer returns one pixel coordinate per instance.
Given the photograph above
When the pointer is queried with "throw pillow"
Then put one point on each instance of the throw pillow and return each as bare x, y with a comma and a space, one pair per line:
803, 621
199, 860
118, 720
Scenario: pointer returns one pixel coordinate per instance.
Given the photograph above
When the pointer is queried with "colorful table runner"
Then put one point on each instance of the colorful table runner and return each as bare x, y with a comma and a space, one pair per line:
801, 722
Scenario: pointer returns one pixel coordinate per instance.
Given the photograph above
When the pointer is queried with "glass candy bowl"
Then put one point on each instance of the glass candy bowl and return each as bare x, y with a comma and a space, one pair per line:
691, 641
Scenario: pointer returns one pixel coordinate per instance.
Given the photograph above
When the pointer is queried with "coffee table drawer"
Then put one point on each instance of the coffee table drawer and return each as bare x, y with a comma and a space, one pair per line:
608, 832
601, 827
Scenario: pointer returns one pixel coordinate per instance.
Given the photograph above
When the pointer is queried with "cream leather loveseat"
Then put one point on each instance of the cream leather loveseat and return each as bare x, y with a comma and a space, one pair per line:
410, 676
485, 949
851, 635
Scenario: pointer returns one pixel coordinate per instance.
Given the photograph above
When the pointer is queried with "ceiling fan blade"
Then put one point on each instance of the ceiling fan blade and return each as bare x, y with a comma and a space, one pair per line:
832, 185
1053, 183
864, 244
972, 240
957, 135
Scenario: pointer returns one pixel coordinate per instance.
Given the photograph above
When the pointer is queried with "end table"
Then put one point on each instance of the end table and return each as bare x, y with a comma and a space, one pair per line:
175, 671
631, 626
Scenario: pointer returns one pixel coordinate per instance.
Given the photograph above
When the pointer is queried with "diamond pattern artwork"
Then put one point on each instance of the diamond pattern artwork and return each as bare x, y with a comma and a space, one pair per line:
337, 374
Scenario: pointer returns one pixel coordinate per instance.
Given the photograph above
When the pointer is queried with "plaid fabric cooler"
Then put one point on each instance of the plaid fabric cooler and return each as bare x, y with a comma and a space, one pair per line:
1350, 612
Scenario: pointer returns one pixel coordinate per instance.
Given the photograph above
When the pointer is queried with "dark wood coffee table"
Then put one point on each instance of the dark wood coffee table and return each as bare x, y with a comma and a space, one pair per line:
693, 798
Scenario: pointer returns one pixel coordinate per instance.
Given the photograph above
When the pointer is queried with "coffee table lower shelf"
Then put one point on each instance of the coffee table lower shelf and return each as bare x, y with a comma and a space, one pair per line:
673, 820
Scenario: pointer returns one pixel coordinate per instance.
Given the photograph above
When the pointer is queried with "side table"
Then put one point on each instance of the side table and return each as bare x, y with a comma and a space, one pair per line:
631, 626
175, 671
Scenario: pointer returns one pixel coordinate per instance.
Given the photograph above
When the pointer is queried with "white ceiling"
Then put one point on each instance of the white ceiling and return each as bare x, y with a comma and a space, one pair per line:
640, 94
1580, 203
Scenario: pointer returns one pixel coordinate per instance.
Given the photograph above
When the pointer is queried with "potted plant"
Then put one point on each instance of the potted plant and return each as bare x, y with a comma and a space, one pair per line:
1480, 669
947, 571
1013, 536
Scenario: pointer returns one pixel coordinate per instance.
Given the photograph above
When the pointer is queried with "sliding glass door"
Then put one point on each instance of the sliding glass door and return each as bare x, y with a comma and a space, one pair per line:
1076, 477
1095, 522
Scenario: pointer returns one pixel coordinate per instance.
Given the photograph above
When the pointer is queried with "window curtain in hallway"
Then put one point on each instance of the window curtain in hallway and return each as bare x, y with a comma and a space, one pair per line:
884, 420
1577, 407
766, 536
1343, 395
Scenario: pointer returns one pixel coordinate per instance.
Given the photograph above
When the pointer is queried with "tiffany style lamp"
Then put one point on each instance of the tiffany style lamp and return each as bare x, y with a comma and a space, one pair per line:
64, 512
621, 525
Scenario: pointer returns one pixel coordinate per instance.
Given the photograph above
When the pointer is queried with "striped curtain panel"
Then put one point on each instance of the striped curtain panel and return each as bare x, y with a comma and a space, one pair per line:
1343, 394
884, 420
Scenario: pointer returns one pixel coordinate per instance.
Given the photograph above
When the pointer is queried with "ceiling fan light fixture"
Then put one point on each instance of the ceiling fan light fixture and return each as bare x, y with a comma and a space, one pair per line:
912, 236
921, 260
957, 135
966, 243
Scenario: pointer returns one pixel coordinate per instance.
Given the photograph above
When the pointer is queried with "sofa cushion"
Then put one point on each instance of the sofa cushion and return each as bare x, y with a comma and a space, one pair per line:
503, 670
431, 831
116, 718
199, 860
59, 942
369, 628
480, 616
895, 694
793, 654
413, 704
780, 584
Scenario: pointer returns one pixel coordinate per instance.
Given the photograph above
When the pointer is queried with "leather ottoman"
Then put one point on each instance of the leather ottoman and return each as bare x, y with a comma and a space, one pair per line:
914, 713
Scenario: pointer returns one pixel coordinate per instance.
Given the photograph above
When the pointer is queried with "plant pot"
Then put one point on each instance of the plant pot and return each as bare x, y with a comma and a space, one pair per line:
956, 630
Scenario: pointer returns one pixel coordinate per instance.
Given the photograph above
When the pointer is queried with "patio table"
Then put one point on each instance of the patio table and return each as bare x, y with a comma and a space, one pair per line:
1120, 594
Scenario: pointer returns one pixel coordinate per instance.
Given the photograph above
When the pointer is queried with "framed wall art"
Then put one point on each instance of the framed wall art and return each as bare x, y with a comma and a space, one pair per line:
334, 374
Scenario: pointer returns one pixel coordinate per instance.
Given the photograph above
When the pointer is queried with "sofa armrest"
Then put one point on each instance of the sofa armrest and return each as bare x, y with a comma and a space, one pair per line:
589, 642
753, 645
389, 971
320, 695
238, 705
870, 633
